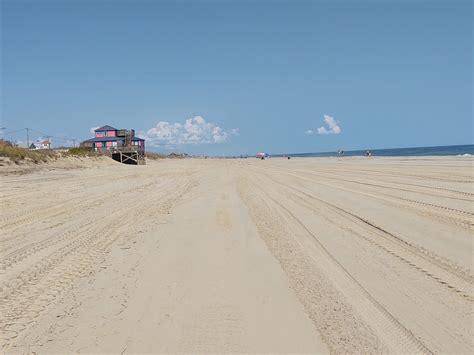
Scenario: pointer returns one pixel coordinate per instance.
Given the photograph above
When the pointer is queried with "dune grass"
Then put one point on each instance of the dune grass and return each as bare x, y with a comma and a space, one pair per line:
80, 152
17, 154
154, 156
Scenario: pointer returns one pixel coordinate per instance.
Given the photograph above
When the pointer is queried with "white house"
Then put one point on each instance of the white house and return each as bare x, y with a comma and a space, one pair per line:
46, 144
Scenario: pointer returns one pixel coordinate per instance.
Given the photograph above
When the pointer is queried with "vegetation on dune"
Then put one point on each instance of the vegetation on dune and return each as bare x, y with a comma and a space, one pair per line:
80, 152
154, 156
17, 154
178, 155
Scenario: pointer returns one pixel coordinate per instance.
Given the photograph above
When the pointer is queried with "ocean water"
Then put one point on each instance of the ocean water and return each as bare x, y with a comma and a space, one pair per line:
397, 152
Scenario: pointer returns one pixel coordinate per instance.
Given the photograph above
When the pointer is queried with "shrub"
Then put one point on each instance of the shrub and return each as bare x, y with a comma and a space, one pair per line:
17, 154
155, 156
80, 151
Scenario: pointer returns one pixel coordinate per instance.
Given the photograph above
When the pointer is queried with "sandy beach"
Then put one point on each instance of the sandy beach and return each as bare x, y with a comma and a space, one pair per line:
191, 255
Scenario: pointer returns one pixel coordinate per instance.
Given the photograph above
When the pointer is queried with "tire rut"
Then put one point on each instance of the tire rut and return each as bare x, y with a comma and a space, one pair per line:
36, 286
413, 248
467, 224
397, 336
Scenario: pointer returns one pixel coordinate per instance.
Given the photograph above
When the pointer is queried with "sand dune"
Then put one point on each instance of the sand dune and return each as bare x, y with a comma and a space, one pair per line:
300, 255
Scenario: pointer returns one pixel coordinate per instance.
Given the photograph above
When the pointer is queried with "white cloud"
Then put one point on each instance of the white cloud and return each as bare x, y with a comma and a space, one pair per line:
193, 131
333, 127
234, 131
92, 130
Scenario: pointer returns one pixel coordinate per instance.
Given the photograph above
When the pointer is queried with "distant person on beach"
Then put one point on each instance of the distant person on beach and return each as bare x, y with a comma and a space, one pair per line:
368, 153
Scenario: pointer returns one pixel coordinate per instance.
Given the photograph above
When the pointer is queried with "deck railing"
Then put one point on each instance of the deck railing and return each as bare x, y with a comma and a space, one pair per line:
131, 148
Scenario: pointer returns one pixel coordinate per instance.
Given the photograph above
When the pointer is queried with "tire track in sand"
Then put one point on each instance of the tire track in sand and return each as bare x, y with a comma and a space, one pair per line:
26, 295
415, 250
325, 308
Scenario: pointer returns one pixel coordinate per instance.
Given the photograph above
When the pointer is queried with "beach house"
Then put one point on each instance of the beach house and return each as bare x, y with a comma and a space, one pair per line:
44, 144
120, 144
110, 138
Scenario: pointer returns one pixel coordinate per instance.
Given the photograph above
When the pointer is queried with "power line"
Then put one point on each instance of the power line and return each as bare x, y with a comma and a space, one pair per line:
45, 135
42, 133
18, 130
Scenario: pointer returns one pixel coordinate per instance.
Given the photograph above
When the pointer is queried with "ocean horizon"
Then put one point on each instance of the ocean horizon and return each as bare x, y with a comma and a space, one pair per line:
394, 152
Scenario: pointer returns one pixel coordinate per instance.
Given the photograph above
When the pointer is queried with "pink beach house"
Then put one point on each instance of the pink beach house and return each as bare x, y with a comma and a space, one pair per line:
109, 138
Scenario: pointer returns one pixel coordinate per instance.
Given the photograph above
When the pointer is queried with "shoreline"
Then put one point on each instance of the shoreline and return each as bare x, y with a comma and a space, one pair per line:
442, 150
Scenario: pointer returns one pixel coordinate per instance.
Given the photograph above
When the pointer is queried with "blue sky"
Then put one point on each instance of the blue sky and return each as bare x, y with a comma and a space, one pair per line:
247, 75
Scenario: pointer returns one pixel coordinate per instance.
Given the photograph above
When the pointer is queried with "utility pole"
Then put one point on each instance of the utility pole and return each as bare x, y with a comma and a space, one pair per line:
27, 138
74, 143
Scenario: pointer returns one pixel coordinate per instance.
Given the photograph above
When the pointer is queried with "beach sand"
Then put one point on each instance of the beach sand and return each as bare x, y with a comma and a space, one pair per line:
301, 255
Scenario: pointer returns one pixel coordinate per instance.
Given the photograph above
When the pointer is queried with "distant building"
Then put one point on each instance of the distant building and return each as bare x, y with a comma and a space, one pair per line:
32, 146
108, 138
45, 144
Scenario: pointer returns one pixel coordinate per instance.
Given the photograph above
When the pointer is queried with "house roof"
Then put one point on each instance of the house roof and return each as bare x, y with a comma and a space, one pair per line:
105, 128
111, 139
